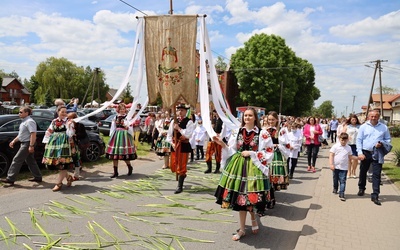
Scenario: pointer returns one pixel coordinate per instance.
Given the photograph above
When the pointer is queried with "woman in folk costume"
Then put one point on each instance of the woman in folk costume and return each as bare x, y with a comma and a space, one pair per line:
57, 153
244, 185
163, 148
120, 145
279, 173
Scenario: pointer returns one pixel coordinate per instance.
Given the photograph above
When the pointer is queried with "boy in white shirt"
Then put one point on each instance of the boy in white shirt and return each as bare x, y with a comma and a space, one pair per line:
295, 137
339, 161
198, 137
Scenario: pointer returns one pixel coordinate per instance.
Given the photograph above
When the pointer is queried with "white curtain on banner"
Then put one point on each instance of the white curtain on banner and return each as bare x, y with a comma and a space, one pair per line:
220, 105
229, 120
139, 43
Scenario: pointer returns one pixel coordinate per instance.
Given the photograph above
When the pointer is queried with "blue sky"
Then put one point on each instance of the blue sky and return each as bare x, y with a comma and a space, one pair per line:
338, 37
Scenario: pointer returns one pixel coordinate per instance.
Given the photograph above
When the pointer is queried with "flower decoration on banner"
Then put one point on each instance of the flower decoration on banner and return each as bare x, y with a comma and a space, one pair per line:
269, 150
288, 145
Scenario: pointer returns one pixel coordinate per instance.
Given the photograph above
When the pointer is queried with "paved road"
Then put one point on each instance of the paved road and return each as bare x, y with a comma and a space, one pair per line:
141, 212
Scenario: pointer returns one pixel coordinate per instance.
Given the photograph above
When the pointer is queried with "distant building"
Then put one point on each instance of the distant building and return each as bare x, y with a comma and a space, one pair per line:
111, 93
391, 107
12, 90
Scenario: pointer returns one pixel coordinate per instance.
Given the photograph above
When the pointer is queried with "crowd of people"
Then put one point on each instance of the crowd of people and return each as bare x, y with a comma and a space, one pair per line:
261, 157
256, 160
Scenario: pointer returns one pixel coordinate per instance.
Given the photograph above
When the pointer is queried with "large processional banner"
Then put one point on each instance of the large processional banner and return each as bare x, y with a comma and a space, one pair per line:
170, 50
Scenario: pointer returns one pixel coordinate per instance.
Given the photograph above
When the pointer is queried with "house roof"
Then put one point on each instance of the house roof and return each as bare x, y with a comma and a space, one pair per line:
385, 98
25, 91
6, 81
112, 92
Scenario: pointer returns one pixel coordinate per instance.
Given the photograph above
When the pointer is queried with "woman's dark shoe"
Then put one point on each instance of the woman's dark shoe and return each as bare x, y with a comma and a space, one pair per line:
115, 173
130, 170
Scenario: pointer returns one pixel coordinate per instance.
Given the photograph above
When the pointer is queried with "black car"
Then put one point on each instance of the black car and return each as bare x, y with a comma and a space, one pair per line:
105, 125
102, 115
9, 126
48, 113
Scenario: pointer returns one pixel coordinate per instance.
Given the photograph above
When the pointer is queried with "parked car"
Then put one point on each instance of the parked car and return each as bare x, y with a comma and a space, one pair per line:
102, 115
9, 126
10, 103
105, 125
89, 125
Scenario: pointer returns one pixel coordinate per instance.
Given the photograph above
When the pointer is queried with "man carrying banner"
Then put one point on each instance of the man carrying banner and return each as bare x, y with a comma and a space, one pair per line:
213, 147
179, 133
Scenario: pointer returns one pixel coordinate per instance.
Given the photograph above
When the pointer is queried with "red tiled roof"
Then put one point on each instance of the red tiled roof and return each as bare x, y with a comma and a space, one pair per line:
385, 98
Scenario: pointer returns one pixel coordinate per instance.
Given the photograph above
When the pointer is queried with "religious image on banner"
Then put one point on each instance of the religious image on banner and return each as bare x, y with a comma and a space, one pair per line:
170, 52
169, 72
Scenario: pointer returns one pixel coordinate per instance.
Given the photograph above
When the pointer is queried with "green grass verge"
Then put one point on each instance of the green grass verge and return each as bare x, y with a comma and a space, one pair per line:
389, 168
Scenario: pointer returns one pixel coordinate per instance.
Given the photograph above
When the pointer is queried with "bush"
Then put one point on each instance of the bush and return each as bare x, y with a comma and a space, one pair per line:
396, 158
394, 131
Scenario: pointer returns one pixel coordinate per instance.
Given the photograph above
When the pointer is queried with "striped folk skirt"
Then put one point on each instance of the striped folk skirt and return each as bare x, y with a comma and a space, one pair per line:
120, 146
243, 186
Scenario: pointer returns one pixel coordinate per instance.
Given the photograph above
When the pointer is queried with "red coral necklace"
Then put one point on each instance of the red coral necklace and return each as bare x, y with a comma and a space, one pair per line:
247, 138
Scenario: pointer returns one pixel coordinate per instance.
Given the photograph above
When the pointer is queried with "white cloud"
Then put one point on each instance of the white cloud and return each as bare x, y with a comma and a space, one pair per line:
102, 36
386, 25
207, 10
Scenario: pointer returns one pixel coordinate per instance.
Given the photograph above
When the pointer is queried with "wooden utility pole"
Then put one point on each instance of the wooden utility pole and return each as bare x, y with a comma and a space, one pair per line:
370, 100
93, 83
171, 11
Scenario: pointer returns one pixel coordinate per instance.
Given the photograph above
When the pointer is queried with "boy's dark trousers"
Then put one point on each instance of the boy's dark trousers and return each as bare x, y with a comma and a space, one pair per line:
199, 150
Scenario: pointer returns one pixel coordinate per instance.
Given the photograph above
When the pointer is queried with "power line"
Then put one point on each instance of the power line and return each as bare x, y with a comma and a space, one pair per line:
264, 68
392, 68
147, 15
133, 7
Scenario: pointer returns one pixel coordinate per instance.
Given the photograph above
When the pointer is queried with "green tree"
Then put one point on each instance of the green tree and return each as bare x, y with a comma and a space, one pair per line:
32, 85
220, 65
63, 79
265, 65
57, 75
14, 74
127, 96
326, 109
47, 99
387, 90
2, 74
93, 81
